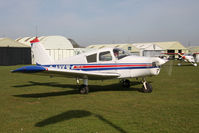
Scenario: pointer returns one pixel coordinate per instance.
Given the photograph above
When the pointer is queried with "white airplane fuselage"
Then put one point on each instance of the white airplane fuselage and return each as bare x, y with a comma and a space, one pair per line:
189, 58
128, 67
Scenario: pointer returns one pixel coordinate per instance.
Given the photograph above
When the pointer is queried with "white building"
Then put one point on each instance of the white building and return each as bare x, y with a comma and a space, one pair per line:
58, 47
149, 49
195, 51
129, 47
156, 48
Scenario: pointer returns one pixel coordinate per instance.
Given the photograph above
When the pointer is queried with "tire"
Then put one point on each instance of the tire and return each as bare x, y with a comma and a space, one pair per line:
83, 89
148, 88
126, 83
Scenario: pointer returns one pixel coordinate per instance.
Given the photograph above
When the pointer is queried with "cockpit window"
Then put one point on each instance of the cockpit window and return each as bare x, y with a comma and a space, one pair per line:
91, 58
120, 53
105, 56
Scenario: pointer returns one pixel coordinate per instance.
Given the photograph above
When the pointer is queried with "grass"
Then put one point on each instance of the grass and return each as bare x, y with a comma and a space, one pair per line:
36, 104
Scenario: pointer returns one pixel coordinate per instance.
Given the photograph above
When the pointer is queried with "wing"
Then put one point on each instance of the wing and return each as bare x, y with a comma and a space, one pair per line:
39, 70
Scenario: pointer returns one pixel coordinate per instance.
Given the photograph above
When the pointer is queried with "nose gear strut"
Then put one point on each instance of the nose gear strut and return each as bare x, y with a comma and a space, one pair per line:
147, 88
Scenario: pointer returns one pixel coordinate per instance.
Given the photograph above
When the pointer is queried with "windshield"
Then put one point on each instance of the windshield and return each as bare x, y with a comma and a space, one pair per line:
120, 53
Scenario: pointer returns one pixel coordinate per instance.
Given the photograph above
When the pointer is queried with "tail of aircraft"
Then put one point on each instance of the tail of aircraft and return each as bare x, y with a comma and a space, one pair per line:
40, 54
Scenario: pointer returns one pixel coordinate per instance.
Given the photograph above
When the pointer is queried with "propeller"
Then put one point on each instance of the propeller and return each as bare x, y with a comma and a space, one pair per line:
168, 65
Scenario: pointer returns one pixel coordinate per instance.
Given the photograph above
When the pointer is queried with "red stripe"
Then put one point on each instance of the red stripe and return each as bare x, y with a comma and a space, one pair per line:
173, 53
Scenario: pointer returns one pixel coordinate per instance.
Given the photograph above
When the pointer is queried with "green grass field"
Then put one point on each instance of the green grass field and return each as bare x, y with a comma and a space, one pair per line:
37, 104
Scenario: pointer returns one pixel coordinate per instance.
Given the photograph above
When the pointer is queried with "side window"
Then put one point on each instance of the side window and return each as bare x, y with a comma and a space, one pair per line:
91, 58
105, 56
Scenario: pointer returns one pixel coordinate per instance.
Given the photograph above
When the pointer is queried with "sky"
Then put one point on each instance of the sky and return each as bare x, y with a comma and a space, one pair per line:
102, 21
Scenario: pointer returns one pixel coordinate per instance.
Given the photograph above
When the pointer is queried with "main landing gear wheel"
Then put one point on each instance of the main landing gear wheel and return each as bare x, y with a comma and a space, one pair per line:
126, 83
83, 89
147, 88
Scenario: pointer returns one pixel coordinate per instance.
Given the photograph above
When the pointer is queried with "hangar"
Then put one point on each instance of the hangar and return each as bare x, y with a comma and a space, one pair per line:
58, 47
132, 49
14, 53
156, 48
194, 49
148, 48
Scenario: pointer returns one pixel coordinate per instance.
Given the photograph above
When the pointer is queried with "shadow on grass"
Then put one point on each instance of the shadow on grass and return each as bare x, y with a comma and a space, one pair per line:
52, 84
63, 116
92, 88
47, 94
110, 123
72, 114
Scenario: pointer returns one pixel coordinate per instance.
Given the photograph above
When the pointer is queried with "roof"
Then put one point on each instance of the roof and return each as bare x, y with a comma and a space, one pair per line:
51, 42
7, 42
165, 45
136, 47
123, 46
149, 46
194, 49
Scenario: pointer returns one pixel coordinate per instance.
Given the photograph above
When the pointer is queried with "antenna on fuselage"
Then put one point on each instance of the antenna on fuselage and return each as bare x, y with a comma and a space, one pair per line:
36, 31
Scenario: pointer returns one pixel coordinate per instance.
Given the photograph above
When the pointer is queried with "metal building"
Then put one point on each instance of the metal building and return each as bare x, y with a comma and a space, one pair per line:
195, 51
129, 47
14, 53
150, 50
147, 49
161, 47
58, 47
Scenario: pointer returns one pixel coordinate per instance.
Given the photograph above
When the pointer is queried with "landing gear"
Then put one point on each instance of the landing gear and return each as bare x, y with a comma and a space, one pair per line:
83, 89
147, 88
125, 83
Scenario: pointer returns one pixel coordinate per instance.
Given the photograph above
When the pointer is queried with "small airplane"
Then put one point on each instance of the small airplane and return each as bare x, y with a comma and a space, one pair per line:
185, 57
106, 63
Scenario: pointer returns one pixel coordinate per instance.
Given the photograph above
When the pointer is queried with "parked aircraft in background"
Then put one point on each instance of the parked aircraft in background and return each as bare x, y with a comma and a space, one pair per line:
107, 63
191, 58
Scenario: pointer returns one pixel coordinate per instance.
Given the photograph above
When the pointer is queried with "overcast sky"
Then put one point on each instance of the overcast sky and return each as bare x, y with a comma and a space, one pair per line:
103, 21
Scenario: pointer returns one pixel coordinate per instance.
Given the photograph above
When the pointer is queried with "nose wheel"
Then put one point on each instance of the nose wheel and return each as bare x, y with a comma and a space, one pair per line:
147, 88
